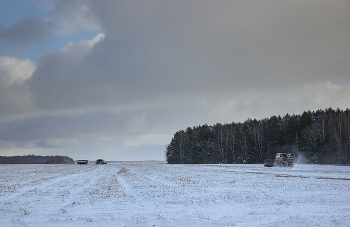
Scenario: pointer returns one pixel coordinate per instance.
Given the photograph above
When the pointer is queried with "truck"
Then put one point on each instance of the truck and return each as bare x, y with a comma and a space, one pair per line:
82, 162
284, 160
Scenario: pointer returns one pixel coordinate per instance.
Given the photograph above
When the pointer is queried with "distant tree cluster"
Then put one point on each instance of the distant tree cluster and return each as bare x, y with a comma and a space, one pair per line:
322, 136
36, 159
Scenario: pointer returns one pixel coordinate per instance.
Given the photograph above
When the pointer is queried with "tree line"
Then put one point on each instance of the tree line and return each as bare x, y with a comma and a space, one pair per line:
36, 159
322, 136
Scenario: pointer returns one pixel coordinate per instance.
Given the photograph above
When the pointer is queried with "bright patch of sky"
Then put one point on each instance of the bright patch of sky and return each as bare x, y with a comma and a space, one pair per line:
57, 43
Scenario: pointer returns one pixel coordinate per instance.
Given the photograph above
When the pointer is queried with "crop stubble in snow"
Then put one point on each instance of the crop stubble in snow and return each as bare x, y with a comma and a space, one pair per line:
174, 195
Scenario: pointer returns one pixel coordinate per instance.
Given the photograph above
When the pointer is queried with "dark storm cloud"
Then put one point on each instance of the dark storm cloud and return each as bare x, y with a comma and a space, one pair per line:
39, 129
163, 48
70, 131
233, 44
25, 32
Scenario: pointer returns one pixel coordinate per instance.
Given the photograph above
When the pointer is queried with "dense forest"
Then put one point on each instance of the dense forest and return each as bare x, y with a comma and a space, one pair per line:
36, 159
321, 136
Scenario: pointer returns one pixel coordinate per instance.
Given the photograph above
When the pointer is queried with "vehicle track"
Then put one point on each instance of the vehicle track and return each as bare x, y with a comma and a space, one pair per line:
45, 184
48, 194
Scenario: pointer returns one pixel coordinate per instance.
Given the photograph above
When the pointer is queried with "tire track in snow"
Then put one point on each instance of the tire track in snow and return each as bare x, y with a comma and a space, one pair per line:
93, 176
149, 189
125, 185
45, 184
133, 192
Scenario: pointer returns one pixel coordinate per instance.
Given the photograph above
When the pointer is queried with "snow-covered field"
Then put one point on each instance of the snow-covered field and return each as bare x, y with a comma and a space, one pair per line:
174, 195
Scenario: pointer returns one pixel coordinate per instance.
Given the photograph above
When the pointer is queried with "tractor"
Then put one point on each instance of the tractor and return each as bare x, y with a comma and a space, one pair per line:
284, 160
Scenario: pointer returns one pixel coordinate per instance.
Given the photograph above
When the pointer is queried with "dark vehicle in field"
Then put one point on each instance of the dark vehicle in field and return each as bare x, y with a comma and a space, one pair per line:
100, 161
269, 163
82, 162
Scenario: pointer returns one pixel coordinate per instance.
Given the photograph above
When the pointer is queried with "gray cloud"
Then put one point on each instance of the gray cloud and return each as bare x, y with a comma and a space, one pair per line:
15, 101
70, 16
166, 65
154, 48
25, 32
235, 44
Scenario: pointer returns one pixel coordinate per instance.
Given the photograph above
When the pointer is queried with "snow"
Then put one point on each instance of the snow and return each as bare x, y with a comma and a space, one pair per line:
174, 195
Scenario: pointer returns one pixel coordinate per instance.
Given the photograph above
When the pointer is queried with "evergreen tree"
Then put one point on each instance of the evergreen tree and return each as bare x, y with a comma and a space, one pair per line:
322, 135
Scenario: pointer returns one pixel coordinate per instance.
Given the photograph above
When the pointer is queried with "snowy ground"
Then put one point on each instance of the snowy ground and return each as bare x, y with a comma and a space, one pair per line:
174, 195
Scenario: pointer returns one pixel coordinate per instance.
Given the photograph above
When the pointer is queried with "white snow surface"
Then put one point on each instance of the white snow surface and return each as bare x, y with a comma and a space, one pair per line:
174, 195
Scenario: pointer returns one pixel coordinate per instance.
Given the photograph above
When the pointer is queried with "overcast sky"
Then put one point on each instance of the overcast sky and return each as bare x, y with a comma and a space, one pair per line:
116, 79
